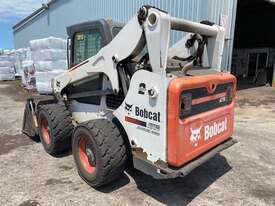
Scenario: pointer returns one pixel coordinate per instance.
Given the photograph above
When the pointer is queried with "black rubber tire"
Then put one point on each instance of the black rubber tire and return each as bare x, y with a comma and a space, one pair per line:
108, 147
60, 128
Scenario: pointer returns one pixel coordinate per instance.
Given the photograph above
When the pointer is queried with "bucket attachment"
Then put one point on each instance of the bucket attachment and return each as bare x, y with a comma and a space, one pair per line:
30, 121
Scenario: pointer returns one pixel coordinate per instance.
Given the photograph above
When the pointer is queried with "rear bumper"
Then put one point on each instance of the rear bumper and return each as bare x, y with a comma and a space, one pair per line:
169, 172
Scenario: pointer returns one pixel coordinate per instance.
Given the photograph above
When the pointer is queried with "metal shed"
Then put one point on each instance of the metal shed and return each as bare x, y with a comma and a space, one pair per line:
53, 18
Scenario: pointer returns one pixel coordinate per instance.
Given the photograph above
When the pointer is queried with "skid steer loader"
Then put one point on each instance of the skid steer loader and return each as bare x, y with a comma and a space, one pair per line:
128, 97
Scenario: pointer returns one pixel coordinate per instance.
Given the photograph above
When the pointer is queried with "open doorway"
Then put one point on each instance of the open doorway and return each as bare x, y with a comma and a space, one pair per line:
253, 60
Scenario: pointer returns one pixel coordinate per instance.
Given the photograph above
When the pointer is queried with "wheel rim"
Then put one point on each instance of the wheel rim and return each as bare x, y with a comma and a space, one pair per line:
45, 131
86, 155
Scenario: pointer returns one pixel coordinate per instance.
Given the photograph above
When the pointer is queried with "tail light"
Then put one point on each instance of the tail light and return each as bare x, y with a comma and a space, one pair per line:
229, 93
185, 104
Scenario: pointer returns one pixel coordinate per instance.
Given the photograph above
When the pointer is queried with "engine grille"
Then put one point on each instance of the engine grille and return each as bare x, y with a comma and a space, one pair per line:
203, 101
114, 101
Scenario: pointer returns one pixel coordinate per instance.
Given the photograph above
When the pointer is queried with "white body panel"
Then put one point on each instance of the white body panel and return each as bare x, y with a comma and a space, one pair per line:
151, 138
84, 112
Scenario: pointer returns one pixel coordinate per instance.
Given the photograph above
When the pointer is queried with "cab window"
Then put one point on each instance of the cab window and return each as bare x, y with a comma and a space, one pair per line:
86, 45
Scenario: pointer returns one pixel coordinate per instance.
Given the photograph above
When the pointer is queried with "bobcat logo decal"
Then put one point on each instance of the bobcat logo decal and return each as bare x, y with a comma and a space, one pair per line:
195, 136
128, 107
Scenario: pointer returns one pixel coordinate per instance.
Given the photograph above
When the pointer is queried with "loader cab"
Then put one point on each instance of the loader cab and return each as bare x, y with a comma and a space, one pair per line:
86, 39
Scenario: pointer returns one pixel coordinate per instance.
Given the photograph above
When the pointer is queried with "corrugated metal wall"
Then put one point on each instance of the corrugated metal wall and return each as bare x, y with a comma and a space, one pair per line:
62, 13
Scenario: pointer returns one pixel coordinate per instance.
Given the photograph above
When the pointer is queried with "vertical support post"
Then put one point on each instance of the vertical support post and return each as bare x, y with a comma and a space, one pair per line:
273, 80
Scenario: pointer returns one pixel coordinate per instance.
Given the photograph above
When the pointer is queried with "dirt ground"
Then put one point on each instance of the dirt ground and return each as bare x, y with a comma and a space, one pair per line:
241, 175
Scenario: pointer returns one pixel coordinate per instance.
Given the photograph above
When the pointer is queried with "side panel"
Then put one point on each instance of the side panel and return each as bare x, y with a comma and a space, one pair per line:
210, 121
144, 117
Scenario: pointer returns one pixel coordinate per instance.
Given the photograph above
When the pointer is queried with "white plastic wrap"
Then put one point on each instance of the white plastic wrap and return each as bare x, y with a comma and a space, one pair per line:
49, 55
6, 58
47, 76
27, 73
6, 64
28, 67
21, 55
43, 81
7, 70
41, 66
30, 82
48, 43
7, 77
49, 59
7, 52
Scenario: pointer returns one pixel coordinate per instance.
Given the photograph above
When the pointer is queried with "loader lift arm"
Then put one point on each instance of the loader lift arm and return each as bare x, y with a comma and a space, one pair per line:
150, 27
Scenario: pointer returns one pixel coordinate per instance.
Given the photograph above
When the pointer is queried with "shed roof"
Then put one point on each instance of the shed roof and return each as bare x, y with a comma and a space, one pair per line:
37, 12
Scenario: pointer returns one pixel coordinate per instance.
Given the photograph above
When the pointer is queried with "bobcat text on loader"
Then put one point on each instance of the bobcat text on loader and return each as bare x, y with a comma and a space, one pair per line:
128, 97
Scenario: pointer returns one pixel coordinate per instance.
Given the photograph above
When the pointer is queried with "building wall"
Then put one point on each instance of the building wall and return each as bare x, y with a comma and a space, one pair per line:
62, 13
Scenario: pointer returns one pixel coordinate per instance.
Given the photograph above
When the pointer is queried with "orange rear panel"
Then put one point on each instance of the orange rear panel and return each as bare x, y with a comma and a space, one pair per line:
190, 136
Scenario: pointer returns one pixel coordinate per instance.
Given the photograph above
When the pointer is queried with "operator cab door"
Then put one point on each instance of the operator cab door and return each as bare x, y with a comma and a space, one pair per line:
86, 39
85, 45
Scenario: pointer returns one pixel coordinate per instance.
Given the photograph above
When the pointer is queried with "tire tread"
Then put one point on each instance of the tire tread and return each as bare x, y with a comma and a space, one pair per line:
61, 127
113, 149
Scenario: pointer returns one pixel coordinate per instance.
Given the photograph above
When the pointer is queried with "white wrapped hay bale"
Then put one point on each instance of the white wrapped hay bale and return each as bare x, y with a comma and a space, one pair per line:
27, 74
48, 43
6, 51
43, 82
6, 64
49, 55
6, 57
7, 71
41, 66
41, 77
22, 56
7, 77
28, 67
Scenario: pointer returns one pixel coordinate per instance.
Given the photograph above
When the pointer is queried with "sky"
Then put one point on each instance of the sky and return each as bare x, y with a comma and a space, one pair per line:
11, 12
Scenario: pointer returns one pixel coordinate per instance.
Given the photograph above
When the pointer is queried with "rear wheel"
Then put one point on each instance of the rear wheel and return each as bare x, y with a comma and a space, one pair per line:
55, 128
86, 154
99, 152
45, 130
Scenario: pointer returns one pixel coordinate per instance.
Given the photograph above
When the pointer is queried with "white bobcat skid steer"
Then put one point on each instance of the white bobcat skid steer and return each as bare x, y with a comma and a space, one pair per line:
128, 97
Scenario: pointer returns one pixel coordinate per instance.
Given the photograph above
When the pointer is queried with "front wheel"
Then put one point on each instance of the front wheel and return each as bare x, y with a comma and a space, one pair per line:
55, 128
99, 152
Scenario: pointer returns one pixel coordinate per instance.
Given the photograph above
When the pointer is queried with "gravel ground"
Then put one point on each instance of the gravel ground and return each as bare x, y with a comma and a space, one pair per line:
242, 175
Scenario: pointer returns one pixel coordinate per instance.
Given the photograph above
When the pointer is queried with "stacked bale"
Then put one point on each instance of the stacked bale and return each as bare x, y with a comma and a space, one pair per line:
24, 67
49, 57
21, 55
7, 71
